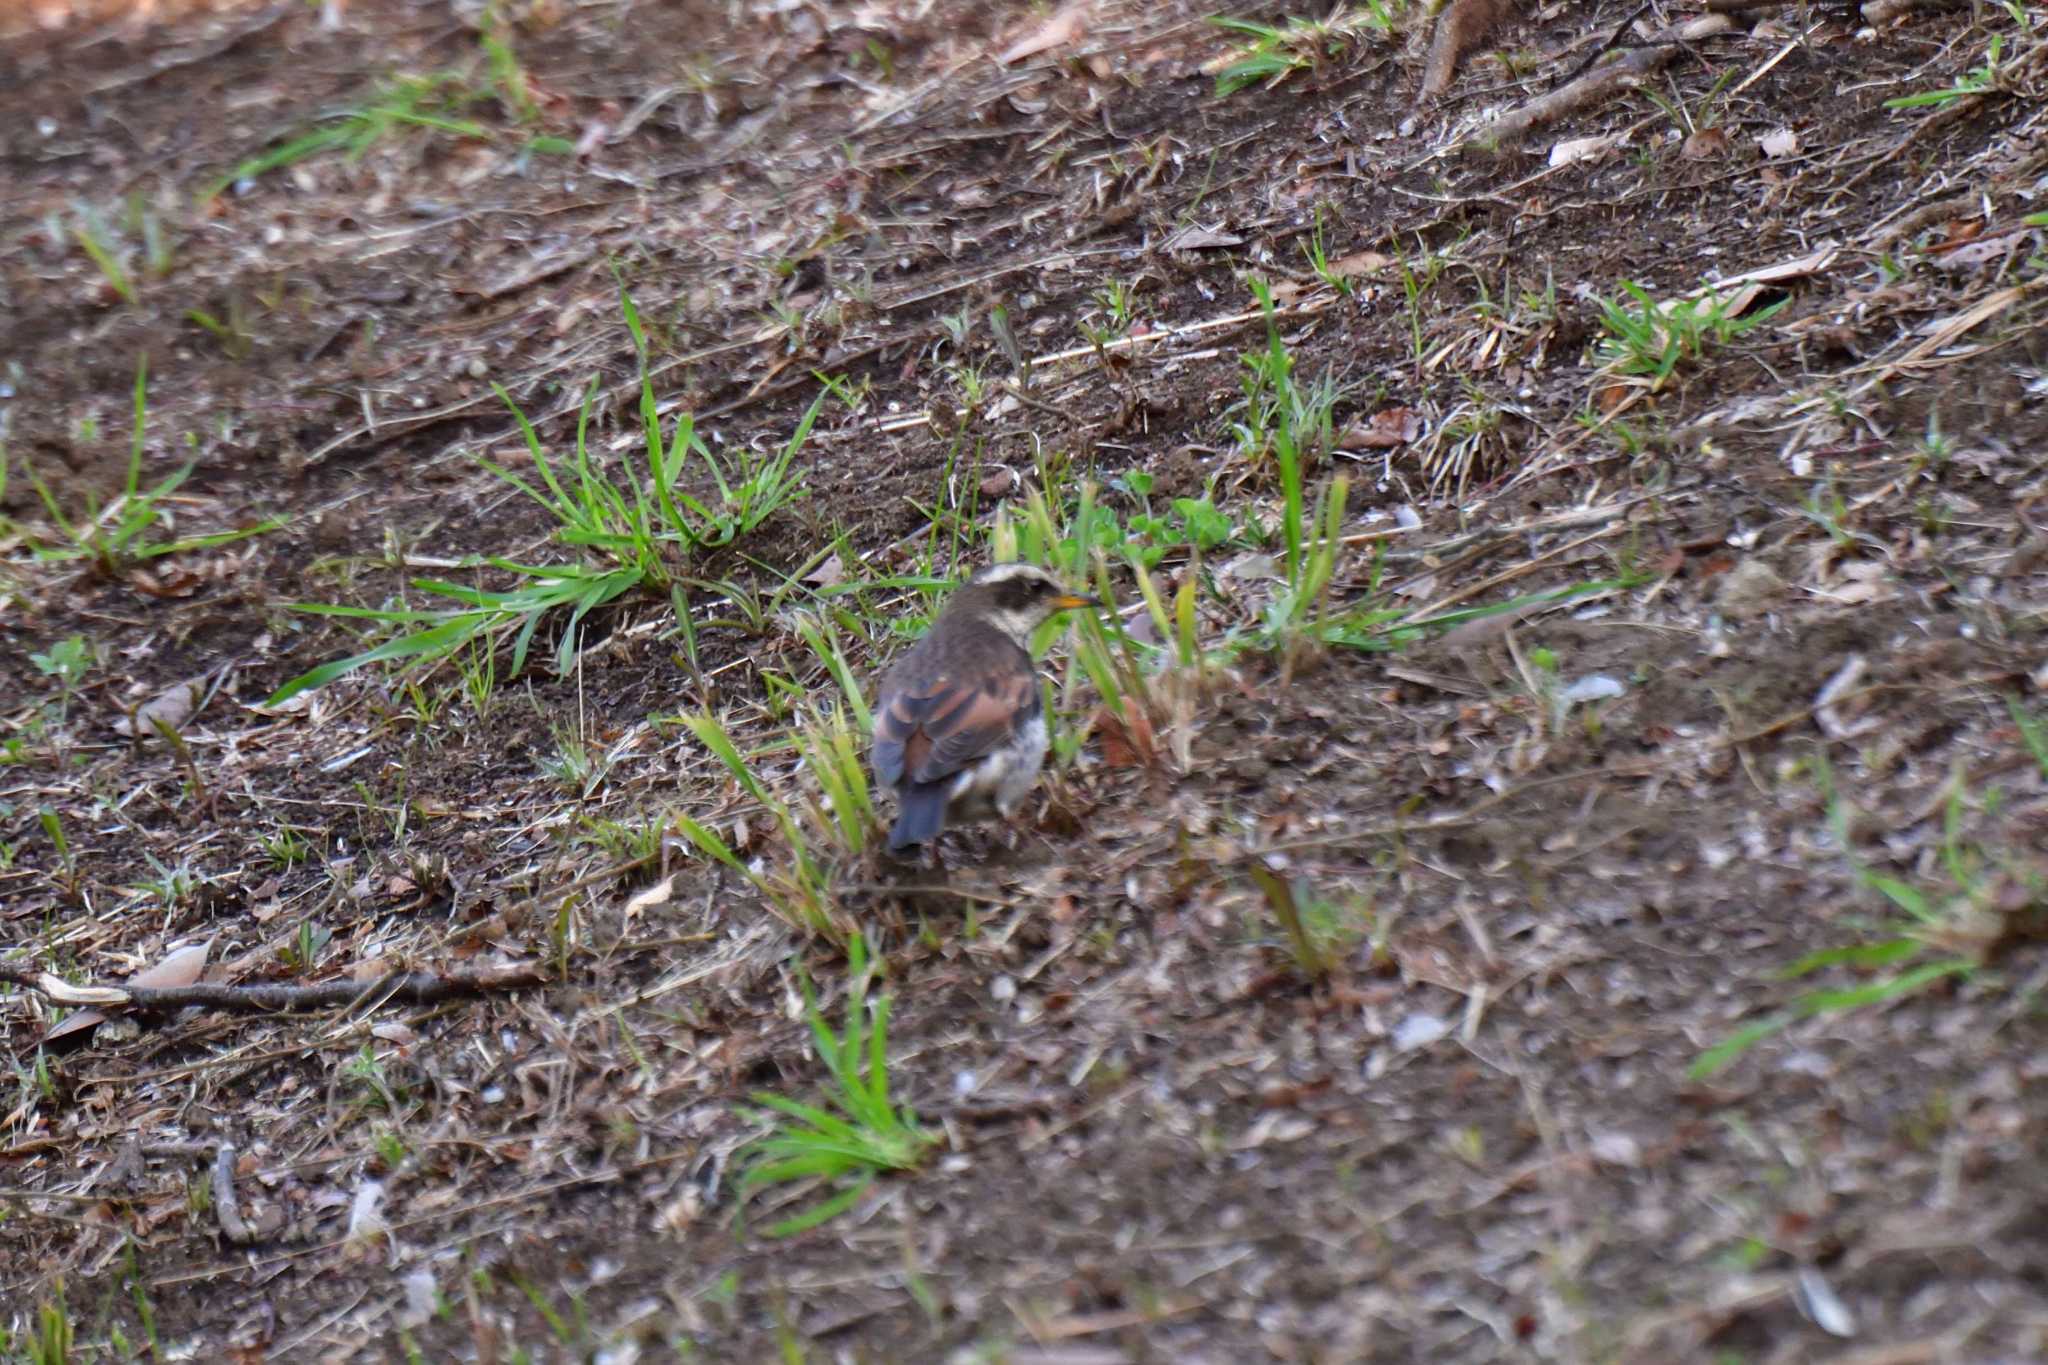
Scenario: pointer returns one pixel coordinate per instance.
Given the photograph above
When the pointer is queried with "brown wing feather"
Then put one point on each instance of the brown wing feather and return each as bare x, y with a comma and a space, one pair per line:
933, 720
972, 720
930, 734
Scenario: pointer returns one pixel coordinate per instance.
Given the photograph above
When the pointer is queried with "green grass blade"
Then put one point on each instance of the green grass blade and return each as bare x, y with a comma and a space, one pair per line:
1733, 1046
449, 635
820, 1213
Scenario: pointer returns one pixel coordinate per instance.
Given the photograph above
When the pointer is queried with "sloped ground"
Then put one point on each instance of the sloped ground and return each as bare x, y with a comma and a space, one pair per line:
1568, 848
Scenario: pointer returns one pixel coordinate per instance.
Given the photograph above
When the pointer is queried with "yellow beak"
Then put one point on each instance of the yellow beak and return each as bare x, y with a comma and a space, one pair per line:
1071, 600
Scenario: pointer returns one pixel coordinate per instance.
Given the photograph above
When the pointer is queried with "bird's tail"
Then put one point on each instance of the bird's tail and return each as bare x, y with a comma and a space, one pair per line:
920, 817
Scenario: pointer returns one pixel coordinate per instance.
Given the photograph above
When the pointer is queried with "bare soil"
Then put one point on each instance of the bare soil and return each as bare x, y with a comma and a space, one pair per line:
1579, 845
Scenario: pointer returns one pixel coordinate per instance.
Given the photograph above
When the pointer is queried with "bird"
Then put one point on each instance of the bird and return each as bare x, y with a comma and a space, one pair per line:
959, 720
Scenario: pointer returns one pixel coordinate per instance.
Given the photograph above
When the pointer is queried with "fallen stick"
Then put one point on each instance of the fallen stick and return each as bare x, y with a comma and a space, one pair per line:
410, 988
1626, 73
227, 1205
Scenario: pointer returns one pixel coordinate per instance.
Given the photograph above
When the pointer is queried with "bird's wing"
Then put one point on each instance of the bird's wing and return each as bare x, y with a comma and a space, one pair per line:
930, 732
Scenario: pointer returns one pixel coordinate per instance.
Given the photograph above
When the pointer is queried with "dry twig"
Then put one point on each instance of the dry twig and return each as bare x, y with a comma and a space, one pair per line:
411, 988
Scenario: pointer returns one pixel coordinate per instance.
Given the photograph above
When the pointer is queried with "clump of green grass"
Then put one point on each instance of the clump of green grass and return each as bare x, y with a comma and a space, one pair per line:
236, 339
801, 893
1951, 927
1319, 932
634, 527
832, 741
857, 1132
103, 256
1993, 74
1072, 547
66, 662
402, 102
1275, 52
1300, 604
1317, 257
1185, 526
1066, 527
1650, 339
1284, 425
114, 247
117, 536
48, 1339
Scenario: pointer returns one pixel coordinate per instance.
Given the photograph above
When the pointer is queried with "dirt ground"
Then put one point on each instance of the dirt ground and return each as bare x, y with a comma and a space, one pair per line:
1777, 757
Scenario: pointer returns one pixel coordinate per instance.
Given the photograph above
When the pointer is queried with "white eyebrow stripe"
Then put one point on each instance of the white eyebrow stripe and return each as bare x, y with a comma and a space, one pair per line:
1006, 572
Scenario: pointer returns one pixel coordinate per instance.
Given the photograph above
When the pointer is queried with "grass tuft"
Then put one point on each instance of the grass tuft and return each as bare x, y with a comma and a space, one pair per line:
800, 893
857, 1131
1649, 339
402, 102
1275, 52
123, 534
634, 527
1952, 925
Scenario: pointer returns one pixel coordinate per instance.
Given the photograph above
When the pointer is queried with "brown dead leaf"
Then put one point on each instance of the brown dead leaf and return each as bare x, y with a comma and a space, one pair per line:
1194, 238
179, 967
1609, 397
1959, 231
1290, 1095
1125, 744
1975, 249
169, 709
172, 583
1705, 144
1357, 263
1384, 430
1066, 25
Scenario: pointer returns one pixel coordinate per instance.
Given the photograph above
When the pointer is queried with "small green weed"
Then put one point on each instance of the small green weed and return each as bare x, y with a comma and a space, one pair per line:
1281, 419
631, 531
402, 102
1318, 258
832, 747
1950, 928
67, 661
506, 74
69, 880
1319, 931
858, 1131
623, 842
49, 1339
232, 332
105, 255
1277, 51
302, 954
122, 534
1651, 339
801, 893
1985, 79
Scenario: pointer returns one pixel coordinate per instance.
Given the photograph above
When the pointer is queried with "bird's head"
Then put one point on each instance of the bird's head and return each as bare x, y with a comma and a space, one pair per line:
1015, 598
